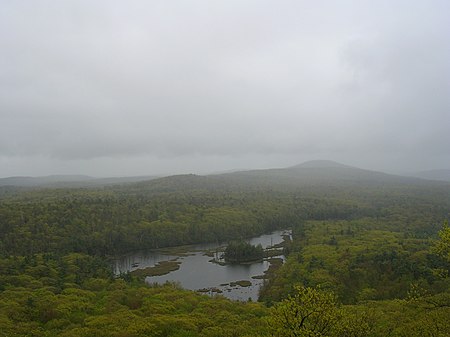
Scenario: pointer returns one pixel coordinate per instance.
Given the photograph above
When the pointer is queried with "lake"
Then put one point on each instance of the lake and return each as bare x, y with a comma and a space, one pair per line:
197, 272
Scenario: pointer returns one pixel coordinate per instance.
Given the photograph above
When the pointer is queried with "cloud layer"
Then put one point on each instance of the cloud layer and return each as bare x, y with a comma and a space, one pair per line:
114, 87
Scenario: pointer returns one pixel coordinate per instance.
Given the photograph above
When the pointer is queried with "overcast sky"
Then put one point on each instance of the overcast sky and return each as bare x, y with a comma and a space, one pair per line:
116, 88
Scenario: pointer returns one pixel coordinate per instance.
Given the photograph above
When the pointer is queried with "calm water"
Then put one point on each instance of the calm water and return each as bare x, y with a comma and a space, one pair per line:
197, 272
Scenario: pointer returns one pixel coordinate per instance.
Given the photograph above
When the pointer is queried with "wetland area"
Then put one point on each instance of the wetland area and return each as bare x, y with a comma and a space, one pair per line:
201, 268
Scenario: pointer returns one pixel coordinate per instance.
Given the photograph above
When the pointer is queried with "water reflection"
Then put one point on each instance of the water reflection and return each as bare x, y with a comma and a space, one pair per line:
197, 272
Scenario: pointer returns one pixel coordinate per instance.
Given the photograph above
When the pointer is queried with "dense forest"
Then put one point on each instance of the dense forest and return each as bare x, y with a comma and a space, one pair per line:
369, 256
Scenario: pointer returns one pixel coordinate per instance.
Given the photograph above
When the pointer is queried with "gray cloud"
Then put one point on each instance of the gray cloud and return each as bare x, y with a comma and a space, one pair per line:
113, 87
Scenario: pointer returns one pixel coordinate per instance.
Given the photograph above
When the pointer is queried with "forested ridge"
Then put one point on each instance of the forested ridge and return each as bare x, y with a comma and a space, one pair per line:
363, 251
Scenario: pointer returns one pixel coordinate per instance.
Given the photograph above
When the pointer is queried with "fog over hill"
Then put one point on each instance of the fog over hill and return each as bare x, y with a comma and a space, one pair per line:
36, 181
320, 164
320, 176
69, 181
443, 175
320, 172
310, 172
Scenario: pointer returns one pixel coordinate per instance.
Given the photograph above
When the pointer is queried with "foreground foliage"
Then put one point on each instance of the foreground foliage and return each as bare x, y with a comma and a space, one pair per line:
98, 306
311, 312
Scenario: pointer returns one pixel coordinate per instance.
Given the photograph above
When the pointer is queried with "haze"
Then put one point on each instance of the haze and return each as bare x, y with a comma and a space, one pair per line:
159, 87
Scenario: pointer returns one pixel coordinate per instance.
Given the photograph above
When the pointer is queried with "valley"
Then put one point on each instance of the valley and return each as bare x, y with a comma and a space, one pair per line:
362, 241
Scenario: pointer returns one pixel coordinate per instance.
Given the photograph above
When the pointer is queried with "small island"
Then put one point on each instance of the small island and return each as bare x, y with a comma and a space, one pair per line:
241, 252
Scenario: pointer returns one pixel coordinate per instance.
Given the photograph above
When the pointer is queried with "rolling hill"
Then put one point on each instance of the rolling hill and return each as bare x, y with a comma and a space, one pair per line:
68, 181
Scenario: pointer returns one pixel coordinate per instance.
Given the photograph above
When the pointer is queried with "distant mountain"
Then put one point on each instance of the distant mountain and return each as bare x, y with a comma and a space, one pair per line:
69, 181
310, 177
38, 181
325, 173
443, 175
320, 164
321, 172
